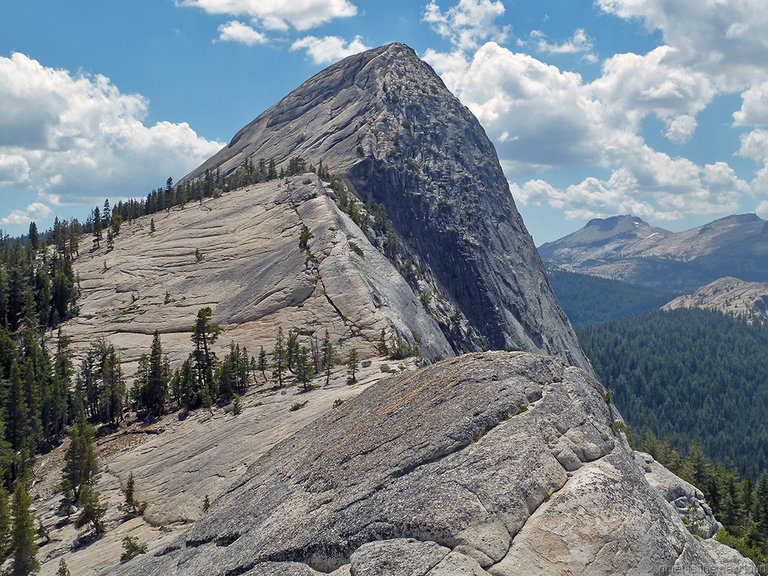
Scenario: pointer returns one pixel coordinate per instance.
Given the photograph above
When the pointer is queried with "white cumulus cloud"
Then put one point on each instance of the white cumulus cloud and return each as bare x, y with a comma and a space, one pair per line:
236, 31
680, 129
329, 48
754, 107
34, 212
469, 23
579, 42
279, 14
83, 138
725, 38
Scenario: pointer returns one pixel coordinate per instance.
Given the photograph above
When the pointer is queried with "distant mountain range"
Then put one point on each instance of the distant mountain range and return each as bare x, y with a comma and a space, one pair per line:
627, 248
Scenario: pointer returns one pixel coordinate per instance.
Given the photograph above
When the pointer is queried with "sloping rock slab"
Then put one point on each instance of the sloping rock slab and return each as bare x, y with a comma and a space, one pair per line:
500, 463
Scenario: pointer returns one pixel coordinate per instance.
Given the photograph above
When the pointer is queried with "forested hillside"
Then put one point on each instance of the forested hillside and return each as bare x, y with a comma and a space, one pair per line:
592, 300
694, 375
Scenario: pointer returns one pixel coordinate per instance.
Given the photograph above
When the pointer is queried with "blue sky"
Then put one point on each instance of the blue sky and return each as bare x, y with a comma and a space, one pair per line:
653, 107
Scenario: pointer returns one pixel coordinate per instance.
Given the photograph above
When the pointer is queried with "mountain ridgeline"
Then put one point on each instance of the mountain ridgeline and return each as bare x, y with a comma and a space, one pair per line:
386, 122
627, 248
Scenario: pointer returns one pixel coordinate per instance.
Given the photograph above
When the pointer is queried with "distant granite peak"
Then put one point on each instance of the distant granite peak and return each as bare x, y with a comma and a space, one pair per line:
743, 300
628, 249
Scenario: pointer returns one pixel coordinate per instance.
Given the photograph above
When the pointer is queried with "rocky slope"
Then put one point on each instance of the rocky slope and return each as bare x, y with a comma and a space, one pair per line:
386, 122
240, 255
747, 300
496, 463
177, 462
626, 248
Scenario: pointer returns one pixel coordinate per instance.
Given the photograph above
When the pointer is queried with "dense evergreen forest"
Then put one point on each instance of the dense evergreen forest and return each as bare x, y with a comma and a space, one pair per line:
698, 380
589, 300
695, 375
739, 503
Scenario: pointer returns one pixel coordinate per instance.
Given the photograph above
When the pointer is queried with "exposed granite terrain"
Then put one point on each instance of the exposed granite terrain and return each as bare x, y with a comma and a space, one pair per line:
254, 275
177, 462
386, 122
627, 248
745, 300
497, 463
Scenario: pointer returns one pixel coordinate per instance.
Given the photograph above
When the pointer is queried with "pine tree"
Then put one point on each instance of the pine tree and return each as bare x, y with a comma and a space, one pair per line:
382, 345
760, 513
327, 357
5, 522
33, 237
113, 385
352, 366
96, 227
292, 351
304, 368
156, 388
151, 225
63, 569
204, 334
23, 534
80, 468
19, 429
92, 510
263, 363
132, 506
278, 357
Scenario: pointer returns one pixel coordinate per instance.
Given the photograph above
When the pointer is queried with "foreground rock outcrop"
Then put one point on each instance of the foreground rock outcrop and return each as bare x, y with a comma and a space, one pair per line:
386, 122
745, 300
496, 463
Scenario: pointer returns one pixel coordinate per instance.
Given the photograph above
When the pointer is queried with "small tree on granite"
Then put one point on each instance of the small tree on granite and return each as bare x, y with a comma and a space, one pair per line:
132, 548
204, 335
278, 357
382, 345
304, 368
63, 569
132, 506
292, 350
80, 467
327, 360
92, 511
262, 366
352, 366
305, 236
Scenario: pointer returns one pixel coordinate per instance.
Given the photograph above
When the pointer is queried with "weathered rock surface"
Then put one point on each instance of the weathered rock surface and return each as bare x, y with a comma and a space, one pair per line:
497, 463
626, 248
386, 121
254, 275
686, 498
177, 462
745, 300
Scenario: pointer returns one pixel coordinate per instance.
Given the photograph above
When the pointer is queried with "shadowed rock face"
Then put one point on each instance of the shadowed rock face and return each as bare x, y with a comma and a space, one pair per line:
386, 121
497, 463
